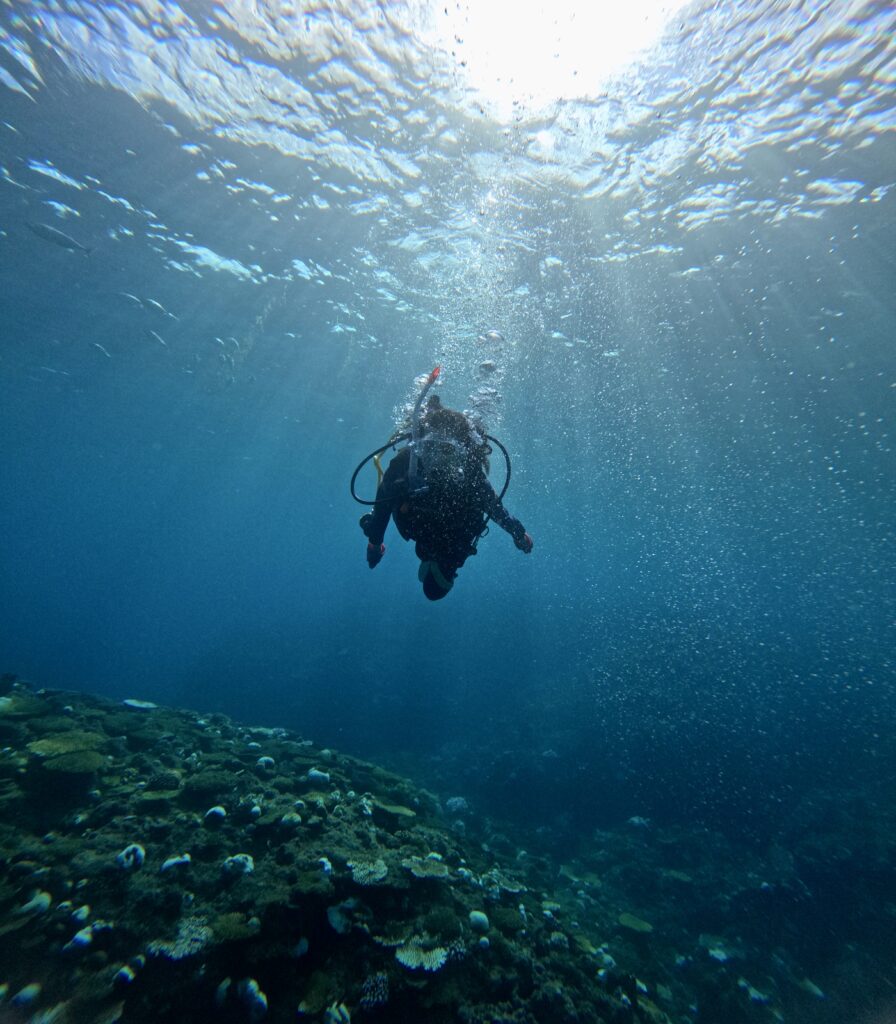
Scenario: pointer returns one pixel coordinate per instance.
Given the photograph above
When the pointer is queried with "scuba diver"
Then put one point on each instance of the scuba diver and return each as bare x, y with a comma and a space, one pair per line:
437, 492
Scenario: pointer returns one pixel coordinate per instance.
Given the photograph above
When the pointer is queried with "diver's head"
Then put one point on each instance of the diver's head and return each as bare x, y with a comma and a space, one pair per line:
436, 582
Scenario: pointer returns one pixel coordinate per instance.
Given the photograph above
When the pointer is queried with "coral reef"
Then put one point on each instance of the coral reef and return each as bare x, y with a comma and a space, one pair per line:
185, 868
191, 869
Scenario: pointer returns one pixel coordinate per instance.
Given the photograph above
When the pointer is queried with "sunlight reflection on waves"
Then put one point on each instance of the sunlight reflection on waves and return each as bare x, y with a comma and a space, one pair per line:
354, 124
362, 90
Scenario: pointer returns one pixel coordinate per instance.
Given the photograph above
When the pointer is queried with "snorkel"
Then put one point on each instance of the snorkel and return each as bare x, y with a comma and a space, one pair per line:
414, 485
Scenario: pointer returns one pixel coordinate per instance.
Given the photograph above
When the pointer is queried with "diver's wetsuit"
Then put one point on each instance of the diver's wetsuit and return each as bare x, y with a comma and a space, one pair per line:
445, 522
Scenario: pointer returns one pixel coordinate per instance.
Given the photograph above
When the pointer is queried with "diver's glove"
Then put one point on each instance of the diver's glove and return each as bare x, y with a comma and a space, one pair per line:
375, 553
522, 539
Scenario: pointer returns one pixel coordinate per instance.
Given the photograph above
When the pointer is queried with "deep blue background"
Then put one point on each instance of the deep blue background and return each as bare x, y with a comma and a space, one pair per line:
705, 628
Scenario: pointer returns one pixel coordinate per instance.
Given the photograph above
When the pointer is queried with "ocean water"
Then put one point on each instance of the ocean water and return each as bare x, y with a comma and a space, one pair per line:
668, 286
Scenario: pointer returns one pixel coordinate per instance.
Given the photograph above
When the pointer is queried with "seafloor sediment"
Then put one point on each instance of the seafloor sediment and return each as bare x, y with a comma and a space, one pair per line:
161, 865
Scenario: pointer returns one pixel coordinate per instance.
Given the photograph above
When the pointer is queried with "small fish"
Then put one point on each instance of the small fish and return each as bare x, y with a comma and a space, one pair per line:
160, 308
57, 237
159, 339
133, 298
105, 352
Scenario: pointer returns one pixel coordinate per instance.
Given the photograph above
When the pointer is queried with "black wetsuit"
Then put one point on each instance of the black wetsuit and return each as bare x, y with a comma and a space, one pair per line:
446, 521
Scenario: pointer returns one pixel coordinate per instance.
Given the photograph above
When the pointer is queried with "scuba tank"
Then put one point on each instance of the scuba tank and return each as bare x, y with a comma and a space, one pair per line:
416, 485
425, 445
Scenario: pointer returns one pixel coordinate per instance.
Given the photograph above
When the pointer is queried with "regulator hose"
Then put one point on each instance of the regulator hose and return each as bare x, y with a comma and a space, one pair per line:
406, 437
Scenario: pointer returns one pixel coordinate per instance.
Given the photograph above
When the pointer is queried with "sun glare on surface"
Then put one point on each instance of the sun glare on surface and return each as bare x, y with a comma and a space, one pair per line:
526, 54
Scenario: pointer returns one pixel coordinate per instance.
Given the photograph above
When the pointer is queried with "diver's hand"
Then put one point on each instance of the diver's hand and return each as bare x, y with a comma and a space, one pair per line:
374, 554
524, 543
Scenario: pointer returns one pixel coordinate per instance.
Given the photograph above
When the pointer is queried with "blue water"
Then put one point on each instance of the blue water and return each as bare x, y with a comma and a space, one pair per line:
691, 267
